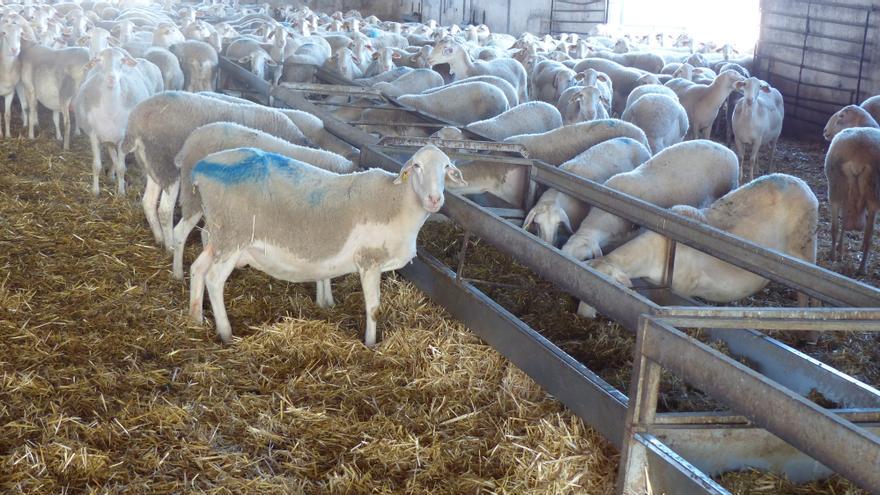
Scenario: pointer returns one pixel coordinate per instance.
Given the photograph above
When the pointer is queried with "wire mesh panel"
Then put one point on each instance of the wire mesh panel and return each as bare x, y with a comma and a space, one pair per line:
818, 55
577, 16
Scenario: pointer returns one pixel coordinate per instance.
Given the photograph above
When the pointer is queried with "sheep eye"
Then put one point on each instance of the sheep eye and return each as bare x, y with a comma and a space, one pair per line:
417, 165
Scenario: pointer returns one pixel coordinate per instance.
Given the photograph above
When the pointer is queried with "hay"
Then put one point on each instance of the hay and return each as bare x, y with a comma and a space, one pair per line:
105, 387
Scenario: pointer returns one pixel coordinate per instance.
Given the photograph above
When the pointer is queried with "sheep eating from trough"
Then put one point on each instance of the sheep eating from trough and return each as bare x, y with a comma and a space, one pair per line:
777, 211
272, 212
693, 173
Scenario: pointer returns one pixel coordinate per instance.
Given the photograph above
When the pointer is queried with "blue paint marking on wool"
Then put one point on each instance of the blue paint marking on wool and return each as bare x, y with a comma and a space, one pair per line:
255, 165
316, 197
373, 33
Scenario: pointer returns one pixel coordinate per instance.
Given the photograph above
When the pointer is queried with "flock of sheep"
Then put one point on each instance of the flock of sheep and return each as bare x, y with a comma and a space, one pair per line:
278, 192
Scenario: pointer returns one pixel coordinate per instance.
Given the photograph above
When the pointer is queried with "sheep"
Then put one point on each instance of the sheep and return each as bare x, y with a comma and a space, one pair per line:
562, 144
169, 66
568, 105
646, 61
846, 117
872, 106
461, 66
251, 55
585, 104
376, 217
10, 70
624, 79
649, 89
663, 119
157, 128
311, 126
508, 90
757, 119
852, 169
51, 77
599, 163
383, 61
694, 173
103, 104
199, 63
211, 138
528, 118
461, 104
549, 79
410, 83
778, 212
703, 102
345, 63
732, 100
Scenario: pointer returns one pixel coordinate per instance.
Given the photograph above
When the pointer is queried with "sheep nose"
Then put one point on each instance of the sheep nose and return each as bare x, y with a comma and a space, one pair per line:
434, 199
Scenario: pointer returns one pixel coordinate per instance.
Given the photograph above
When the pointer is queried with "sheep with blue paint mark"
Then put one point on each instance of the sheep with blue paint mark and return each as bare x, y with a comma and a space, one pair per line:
219, 136
300, 223
157, 129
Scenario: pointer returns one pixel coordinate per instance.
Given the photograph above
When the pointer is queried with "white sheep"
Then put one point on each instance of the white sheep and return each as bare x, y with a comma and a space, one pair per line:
586, 103
461, 103
663, 119
703, 102
693, 173
220, 136
505, 87
462, 66
527, 118
778, 212
624, 79
271, 212
562, 144
853, 174
598, 164
643, 90
413, 82
846, 117
588, 77
757, 119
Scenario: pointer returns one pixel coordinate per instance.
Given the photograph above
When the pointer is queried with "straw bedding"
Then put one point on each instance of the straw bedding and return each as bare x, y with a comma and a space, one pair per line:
105, 387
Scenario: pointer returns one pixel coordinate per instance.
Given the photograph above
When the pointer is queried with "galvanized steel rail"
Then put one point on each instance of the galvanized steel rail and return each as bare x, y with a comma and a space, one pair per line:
696, 436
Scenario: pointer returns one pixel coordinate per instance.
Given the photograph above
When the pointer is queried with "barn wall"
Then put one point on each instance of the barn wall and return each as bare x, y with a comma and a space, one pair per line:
821, 55
512, 16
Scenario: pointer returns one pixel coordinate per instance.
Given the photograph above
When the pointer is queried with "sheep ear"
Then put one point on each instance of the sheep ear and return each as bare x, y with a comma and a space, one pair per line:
90, 64
575, 97
404, 172
579, 76
602, 77
529, 219
740, 84
395, 55
455, 174
130, 62
375, 56
563, 217
245, 59
765, 88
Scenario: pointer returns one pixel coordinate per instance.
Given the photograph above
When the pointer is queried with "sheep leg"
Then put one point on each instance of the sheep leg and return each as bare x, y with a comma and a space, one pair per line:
324, 295
7, 114
96, 163
119, 166
835, 227
370, 278
32, 113
740, 155
866, 241
197, 273
771, 167
753, 167
65, 120
56, 119
181, 232
149, 201
215, 279
166, 213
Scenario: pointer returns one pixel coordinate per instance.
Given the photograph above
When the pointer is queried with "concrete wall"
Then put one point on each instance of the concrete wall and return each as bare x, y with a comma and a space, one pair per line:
819, 64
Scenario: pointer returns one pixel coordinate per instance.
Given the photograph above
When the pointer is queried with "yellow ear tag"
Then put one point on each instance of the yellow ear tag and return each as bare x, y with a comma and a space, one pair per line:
404, 175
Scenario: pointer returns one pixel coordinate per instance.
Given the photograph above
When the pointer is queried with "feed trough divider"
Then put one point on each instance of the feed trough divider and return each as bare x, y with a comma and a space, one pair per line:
676, 450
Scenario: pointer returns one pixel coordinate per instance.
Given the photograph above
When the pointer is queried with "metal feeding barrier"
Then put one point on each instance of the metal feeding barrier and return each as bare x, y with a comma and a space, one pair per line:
770, 426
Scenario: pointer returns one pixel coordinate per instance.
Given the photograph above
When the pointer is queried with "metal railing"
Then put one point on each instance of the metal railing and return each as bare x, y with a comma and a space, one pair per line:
693, 435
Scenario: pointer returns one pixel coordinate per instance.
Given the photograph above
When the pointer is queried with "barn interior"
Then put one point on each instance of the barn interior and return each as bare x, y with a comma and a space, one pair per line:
487, 377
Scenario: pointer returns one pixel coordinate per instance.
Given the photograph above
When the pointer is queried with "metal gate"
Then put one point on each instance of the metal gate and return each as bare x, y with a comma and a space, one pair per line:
814, 52
576, 16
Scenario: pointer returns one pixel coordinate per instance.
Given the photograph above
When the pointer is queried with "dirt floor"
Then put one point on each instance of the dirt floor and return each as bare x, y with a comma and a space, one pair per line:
105, 386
